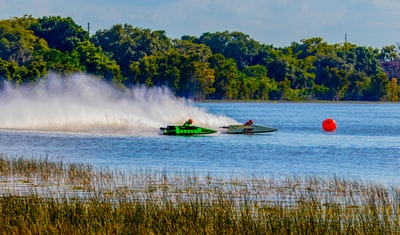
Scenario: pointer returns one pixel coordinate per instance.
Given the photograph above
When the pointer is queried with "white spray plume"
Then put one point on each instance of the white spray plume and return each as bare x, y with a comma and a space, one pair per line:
82, 103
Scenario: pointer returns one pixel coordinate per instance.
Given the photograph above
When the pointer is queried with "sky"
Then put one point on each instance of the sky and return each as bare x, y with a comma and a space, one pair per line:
373, 23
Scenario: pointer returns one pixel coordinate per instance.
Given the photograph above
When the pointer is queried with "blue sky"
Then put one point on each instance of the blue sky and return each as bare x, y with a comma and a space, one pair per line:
374, 23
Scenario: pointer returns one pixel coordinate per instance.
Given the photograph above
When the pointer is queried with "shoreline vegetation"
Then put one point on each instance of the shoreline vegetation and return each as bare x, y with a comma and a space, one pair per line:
38, 196
295, 102
215, 65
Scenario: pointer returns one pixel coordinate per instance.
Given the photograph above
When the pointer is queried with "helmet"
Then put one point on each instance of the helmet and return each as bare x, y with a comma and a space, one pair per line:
190, 121
251, 121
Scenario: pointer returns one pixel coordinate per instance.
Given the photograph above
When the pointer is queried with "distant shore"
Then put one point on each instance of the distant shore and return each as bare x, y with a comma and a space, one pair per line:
286, 101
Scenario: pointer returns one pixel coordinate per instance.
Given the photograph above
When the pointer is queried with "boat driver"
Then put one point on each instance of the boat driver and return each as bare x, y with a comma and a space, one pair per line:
188, 123
249, 123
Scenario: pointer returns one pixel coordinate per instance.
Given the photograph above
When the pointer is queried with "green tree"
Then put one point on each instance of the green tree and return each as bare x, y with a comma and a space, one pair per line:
18, 46
17, 43
311, 47
278, 69
184, 69
226, 80
236, 45
148, 71
330, 73
60, 33
127, 44
265, 55
9, 71
378, 88
357, 86
168, 69
63, 63
203, 80
367, 61
98, 63
258, 82
196, 77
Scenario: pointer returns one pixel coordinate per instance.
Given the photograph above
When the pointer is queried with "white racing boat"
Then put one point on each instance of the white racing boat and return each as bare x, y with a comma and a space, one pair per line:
248, 128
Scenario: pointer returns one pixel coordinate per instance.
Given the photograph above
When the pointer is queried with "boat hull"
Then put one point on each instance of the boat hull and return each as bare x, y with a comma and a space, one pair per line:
189, 130
248, 129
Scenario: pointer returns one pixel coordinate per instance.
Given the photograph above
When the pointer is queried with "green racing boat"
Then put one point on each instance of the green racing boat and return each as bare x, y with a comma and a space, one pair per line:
186, 130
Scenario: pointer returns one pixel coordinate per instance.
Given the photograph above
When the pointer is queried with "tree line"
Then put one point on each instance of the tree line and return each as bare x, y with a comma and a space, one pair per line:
219, 66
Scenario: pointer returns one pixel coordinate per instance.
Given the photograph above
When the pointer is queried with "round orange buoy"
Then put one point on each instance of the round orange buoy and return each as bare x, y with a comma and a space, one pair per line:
329, 124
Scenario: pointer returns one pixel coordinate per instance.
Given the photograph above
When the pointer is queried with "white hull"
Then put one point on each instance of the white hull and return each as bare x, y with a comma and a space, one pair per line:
248, 129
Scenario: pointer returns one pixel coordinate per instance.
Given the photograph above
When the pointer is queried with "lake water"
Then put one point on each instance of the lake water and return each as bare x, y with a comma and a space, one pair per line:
364, 146
84, 120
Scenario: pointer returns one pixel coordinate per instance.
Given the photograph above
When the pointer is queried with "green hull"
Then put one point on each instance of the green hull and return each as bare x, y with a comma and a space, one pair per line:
189, 130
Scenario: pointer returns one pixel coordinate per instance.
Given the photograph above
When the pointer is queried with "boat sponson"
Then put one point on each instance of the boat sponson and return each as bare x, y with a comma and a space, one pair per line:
188, 130
249, 129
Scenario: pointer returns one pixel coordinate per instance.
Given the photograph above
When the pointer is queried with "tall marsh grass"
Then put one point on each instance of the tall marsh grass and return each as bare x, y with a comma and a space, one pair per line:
38, 196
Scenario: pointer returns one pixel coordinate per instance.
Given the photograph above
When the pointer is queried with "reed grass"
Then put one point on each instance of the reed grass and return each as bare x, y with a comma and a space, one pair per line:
38, 196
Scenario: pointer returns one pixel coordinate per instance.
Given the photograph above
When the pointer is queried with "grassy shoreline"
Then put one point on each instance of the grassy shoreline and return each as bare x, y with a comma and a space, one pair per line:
38, 196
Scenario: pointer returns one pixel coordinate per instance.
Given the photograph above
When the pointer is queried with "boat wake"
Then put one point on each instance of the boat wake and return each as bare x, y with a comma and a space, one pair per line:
84, 104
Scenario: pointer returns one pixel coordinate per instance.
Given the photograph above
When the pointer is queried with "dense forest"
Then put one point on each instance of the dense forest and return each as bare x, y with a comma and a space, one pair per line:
221, 65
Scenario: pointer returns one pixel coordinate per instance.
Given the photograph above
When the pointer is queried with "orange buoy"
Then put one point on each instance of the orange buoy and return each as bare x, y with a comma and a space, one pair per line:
329, 124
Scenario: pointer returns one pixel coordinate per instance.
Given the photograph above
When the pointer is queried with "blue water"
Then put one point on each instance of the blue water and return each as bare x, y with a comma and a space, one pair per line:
365, 145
